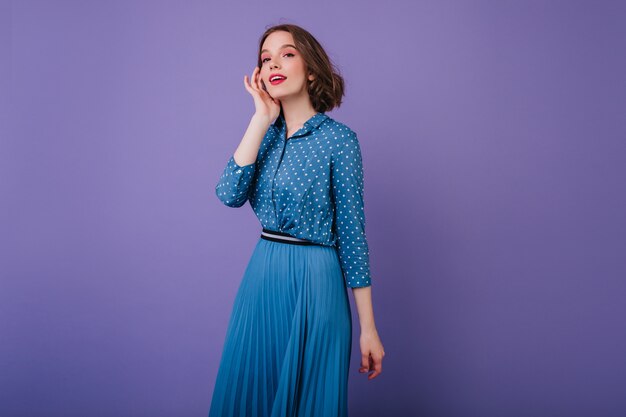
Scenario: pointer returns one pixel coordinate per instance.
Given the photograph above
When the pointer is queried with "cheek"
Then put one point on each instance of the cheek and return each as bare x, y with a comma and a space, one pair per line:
296, 66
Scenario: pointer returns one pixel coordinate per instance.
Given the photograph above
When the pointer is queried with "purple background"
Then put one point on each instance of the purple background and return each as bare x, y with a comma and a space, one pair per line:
494, 145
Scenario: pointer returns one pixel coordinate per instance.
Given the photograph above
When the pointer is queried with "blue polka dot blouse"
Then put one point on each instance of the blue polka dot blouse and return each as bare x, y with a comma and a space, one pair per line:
309, 186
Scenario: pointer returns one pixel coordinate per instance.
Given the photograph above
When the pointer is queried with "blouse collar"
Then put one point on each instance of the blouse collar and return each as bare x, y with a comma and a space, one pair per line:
312, 123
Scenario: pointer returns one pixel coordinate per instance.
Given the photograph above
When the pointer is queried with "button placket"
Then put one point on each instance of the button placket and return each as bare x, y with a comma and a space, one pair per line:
284, 141
280, 160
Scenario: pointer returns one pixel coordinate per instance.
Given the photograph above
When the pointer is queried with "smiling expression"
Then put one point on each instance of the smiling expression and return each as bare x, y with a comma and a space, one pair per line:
282, 66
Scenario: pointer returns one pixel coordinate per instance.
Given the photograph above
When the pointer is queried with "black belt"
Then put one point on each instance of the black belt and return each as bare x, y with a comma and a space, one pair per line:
283, 237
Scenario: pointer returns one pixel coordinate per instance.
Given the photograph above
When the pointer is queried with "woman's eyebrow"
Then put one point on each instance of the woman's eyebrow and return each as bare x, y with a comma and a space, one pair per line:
284, 46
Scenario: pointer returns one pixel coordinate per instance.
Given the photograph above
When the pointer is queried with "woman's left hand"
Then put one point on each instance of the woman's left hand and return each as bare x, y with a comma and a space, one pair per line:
372, 353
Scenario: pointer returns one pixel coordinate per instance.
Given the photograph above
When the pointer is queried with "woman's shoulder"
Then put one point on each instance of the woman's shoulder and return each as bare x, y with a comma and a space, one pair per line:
344, 142
339, 131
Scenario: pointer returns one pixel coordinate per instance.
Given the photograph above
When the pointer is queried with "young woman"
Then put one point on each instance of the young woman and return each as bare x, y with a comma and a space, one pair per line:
288, 342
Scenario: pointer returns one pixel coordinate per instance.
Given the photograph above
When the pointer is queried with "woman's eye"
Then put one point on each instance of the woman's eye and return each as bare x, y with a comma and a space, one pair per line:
265, 59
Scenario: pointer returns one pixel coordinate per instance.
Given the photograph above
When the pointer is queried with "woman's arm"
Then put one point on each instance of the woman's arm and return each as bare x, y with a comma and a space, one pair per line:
349, 217
238, 176
248, 148
372, 351
352, 246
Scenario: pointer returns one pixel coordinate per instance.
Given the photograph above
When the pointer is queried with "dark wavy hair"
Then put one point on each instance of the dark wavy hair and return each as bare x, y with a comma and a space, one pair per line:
327, 89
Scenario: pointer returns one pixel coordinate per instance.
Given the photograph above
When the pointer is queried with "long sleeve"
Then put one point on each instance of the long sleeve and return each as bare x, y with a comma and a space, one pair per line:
234, 183
349, 217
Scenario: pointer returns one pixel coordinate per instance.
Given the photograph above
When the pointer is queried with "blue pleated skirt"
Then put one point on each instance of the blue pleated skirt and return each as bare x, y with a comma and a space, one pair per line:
288, 342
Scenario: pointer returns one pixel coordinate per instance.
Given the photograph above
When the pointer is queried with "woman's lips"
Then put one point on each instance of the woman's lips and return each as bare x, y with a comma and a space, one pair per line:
278, 81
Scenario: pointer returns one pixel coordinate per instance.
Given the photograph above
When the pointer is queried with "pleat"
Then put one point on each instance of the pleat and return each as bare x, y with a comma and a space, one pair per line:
288, 342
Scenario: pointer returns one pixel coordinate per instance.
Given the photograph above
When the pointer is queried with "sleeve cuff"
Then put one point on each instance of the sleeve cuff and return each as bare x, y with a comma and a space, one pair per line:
235, 165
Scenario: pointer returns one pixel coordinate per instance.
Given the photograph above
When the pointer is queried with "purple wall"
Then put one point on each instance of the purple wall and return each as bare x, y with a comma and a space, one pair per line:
494, 145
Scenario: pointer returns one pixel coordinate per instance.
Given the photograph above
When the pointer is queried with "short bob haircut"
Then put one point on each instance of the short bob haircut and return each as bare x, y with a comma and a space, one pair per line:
327, 89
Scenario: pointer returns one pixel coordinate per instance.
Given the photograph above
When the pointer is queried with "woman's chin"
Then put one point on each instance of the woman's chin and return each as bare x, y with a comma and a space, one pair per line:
281, 95
276, 95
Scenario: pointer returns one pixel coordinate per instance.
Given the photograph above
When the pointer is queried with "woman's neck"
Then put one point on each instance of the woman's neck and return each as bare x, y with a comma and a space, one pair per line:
296, 113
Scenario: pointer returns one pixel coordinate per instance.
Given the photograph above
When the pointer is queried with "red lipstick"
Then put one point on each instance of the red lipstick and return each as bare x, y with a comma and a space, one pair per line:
276, 78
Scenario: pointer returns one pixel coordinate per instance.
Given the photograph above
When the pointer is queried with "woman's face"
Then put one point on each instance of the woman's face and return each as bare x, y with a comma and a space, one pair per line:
279, 56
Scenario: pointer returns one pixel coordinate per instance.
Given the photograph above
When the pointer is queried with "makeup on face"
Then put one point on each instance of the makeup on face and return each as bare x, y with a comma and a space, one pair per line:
287, 51
288, 47
276, 78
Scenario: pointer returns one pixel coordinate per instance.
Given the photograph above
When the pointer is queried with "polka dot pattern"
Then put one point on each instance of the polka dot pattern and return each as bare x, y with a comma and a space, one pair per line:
309, 186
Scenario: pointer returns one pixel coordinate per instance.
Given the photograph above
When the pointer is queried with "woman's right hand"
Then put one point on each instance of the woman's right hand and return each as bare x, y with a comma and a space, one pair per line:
265, 104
